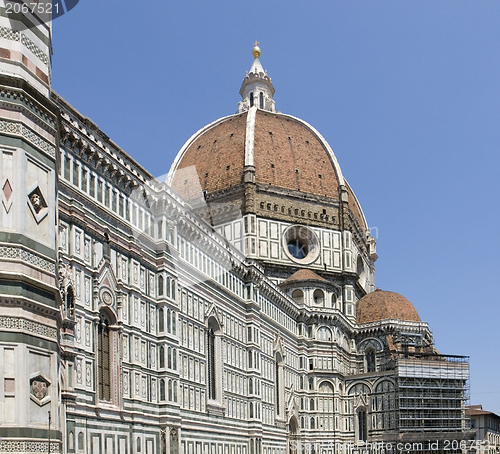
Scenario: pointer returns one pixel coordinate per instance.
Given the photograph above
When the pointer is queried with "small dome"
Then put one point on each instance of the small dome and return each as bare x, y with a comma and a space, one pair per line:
303, 275
382, 305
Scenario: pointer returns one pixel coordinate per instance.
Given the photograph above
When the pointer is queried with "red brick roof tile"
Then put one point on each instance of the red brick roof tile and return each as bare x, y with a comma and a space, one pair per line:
303, 275
382, 305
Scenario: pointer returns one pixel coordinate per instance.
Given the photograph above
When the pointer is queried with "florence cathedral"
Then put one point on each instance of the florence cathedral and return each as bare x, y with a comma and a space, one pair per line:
229, 307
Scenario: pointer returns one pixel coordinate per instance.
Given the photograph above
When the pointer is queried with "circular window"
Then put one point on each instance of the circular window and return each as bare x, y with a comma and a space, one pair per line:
298, 248
301, 244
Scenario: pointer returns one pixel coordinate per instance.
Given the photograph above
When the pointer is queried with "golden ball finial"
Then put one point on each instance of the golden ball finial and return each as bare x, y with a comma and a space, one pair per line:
256, 49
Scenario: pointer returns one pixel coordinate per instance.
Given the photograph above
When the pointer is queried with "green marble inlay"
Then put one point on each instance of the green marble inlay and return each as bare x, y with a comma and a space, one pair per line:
27, 291
28, 243
26, 432
17, 142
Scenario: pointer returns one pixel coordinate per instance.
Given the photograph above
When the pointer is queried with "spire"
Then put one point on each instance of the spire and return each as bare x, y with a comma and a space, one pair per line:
256, 89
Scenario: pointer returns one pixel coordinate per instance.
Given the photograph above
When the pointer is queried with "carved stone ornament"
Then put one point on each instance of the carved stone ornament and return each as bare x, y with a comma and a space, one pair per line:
65, 275
37, 203
39, 389
106, 297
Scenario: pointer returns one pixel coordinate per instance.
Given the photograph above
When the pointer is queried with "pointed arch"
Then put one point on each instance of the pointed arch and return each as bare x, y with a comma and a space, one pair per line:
326, 387
293, 432
104, 358
279, 379
106, 355
214, 355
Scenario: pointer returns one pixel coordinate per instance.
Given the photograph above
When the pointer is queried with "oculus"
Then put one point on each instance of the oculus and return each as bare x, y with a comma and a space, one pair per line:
301, 244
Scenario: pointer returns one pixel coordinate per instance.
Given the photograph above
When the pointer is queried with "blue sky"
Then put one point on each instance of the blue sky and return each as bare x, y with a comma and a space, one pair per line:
406, 92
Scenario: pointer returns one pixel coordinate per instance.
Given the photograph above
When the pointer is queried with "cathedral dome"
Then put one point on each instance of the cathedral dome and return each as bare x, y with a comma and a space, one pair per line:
285, 151
383, 305
264, 146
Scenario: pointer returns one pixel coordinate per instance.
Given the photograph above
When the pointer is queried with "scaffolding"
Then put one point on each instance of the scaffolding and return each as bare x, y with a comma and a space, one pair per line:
433, 393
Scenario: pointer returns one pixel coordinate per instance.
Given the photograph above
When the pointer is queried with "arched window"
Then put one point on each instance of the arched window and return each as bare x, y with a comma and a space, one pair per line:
160, 285
173, 324
250, 386
170, 391
81, 444
162, 356
174, 385
326, 388
312, 423
370, 360
211, 363
104, 359
71, 441
251, 99
298, 296
174, 442
293, 429
318, 296
334, 301
174, 359
161, 320
362, 429
279, 384
169, 358
324, 333
162, 389
261, 100
251, 409
168, 321
168, 287
311, 404
138, 444
311, 383
214, 367
250, 357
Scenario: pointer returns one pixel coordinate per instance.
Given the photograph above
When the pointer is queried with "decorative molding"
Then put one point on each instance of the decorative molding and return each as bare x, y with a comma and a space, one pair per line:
14, 35
15, 252
33, 110
21, 324
28, 446
19, 129
35, 50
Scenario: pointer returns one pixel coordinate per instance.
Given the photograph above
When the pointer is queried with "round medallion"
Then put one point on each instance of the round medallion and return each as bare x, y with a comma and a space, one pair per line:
106, 297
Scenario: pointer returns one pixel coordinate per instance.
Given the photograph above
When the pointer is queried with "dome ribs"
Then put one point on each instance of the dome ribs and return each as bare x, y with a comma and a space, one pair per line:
299, 156
218, 155
383, 305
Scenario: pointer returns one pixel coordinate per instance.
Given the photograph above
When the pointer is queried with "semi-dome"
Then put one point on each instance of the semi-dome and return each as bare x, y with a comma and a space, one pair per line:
262, 146
383, 305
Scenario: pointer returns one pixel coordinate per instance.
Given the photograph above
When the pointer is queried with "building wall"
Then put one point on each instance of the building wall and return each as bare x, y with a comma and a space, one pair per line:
30, 347
141, 329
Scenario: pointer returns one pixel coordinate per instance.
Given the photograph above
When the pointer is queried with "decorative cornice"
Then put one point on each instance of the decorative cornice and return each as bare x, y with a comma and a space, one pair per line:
20, 253
14, 35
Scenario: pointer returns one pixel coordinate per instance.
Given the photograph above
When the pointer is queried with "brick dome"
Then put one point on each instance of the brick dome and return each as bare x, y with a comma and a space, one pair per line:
382, 305
285, 152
